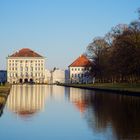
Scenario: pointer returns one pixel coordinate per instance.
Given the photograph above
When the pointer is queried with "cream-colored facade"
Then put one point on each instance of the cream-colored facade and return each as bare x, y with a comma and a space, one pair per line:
80, 70
25, 69
58, 76
48, 76
80, 75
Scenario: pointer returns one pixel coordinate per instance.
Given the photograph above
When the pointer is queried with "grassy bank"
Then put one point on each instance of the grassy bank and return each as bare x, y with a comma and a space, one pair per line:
117, 86
122, 87
4, 89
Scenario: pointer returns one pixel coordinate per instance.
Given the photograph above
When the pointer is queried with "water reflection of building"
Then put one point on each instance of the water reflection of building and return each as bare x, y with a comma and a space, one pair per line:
79, 98
27, 100
57, 92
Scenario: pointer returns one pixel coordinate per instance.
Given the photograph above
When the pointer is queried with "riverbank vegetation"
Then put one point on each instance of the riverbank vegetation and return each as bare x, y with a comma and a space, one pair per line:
5, 89
4, 92
135, 87
116, 56
120, 87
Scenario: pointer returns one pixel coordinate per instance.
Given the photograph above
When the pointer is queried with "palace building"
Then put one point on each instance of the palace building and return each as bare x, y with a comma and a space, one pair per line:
80, 70
25, 66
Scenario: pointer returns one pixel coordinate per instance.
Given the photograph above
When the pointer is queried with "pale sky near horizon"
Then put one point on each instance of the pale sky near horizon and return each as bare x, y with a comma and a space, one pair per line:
60, 30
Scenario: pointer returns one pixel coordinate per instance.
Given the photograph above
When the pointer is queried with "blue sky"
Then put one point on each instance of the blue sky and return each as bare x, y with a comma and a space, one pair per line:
60, 30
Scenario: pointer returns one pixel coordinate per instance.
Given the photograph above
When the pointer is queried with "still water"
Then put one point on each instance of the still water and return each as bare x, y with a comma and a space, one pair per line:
41, 112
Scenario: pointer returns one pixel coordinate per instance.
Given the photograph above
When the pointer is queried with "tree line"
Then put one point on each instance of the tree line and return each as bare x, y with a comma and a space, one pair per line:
116, 56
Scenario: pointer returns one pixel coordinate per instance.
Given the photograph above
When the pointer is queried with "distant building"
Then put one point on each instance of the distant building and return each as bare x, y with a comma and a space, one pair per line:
58, 76
80, 70
25, 66
48, 76
54, 76
3, 76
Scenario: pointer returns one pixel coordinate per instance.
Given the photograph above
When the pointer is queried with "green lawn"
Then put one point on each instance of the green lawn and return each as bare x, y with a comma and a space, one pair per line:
120, 86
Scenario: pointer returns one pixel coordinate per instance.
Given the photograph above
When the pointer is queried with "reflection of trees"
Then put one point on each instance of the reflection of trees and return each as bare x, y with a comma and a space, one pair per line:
121, 111
103, 110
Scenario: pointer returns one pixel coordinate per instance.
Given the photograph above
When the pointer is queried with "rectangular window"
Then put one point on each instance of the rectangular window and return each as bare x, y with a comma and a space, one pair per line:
31, 68
26, 74
21, 68
26, 68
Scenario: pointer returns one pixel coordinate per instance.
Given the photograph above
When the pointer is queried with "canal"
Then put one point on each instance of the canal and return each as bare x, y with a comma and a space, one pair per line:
41, 112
